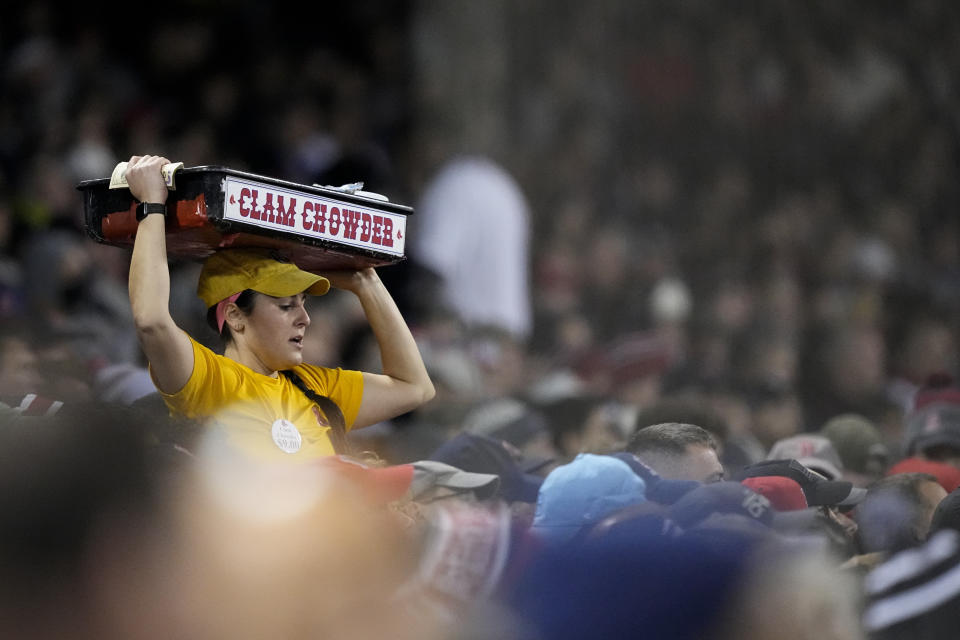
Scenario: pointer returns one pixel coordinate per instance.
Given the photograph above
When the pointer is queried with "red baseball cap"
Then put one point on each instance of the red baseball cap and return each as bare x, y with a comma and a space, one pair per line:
785, 494
382, 484
946, 474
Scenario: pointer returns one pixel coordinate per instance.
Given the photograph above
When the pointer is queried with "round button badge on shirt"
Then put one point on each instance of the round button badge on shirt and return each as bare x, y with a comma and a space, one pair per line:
286, 436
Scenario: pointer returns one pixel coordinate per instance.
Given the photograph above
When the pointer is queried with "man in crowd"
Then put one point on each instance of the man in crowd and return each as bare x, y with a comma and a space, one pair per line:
678, 451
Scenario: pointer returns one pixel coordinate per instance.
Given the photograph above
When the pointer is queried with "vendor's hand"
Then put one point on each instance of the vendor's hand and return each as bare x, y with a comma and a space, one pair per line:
145, 178
351, 280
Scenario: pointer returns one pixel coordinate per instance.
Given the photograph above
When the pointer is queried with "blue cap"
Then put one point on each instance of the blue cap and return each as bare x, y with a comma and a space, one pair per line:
644, 585
721, 498
582, 493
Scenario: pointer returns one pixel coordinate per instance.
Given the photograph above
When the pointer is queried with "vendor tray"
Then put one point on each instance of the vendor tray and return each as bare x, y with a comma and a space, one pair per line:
212, 207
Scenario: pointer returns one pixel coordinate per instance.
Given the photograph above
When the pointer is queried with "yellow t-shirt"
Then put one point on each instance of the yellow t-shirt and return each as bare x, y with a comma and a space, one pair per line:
265, 415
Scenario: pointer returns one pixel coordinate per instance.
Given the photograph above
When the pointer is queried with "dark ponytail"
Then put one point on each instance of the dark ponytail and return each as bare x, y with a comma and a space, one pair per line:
338, 431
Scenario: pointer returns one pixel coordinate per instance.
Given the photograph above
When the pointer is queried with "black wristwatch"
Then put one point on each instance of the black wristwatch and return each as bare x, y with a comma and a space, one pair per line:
146, 208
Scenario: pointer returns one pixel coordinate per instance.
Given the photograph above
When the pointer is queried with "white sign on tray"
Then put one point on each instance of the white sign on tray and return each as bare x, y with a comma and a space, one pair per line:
308, 214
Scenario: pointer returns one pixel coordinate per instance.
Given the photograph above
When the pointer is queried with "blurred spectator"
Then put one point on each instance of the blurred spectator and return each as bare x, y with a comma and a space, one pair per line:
928, 346
632, 368
516, 422
947, 513
472, 229
798, 593
849, 375
584, 423
775, 413
616, 300
71, 299
897, 512
909, 597
11, 271
81, 498
468, 554
121, 383
324, 517
20, 368
729, 404
932, 426
812, 451
860, 446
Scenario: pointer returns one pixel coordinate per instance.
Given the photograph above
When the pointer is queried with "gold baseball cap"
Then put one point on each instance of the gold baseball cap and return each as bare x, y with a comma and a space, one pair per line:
230, 271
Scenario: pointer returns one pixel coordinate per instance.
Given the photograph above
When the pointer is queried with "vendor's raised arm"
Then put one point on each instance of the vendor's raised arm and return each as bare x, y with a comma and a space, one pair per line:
404, 384
166, 347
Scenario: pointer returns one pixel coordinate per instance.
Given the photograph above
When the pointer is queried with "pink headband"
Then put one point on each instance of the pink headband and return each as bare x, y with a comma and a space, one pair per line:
223, 305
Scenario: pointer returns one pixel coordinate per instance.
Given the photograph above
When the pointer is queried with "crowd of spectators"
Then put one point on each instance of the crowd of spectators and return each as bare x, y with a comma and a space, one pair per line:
738, 223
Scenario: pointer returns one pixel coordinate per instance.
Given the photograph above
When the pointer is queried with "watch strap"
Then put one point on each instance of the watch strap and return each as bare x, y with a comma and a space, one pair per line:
144, 209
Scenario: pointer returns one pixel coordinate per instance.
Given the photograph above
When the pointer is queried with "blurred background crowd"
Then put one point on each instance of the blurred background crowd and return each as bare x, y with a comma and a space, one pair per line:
627, 213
